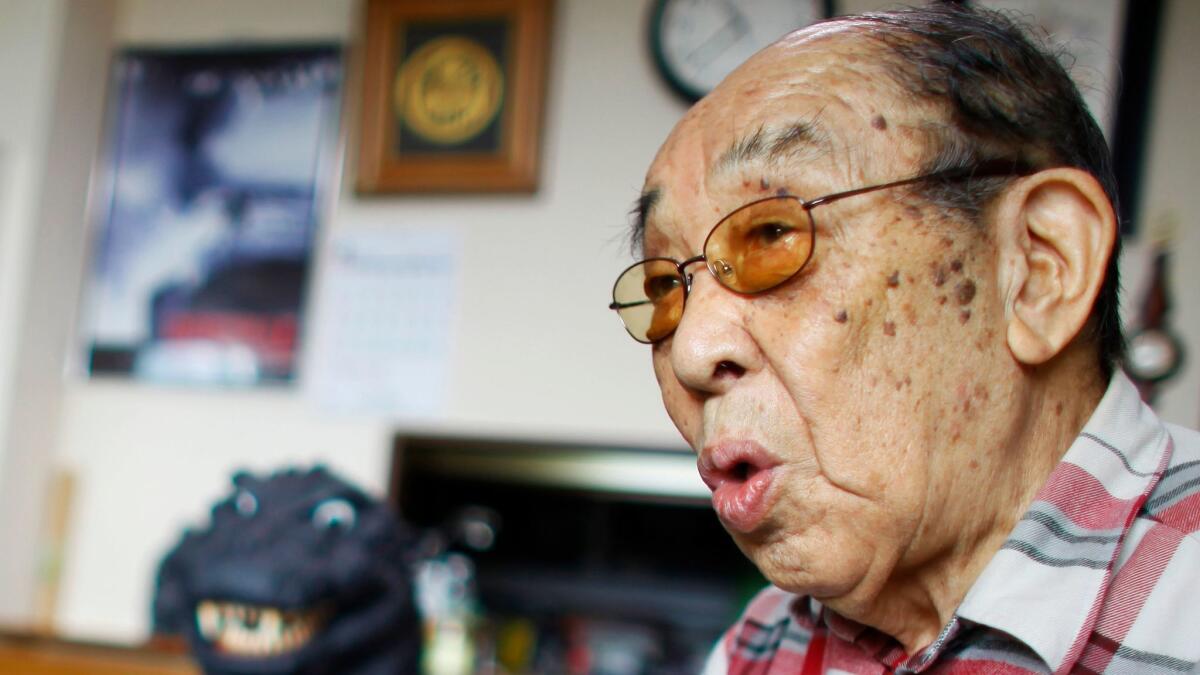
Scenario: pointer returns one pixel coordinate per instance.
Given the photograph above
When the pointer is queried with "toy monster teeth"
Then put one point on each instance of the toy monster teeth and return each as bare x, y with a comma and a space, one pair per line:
255, 630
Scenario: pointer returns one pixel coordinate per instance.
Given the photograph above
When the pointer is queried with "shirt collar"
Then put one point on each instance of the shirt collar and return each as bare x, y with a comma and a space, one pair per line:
1046, 584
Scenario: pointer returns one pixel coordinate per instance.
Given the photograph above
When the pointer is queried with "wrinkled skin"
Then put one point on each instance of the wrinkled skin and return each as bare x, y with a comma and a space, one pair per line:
878, 379
304, 545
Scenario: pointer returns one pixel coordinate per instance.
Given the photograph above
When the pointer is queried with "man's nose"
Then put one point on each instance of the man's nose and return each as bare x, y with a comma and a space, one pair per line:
711, 348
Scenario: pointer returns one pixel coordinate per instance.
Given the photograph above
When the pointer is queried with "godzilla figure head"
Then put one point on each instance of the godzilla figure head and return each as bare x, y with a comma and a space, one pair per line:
298, 572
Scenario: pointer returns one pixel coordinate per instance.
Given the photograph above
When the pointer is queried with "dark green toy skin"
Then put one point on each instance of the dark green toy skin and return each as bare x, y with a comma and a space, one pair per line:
357, 573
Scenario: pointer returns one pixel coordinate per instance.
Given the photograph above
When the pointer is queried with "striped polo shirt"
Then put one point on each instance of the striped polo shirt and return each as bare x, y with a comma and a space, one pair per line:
1100, 575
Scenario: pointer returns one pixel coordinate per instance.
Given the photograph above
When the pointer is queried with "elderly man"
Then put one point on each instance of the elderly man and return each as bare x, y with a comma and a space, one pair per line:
881, 294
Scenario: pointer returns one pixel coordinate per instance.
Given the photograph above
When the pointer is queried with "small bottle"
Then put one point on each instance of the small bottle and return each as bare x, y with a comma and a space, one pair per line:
447, 600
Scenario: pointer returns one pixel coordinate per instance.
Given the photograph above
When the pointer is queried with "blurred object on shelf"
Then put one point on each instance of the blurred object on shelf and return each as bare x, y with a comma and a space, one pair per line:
613, 647
1155, 353
586, 559
445, 592
516, 645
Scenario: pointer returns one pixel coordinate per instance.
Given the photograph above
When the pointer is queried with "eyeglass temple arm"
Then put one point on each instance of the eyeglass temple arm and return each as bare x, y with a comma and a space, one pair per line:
991, 168
627, 305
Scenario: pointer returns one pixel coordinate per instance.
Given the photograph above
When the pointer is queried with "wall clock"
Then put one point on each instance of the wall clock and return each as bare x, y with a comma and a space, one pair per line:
696, 43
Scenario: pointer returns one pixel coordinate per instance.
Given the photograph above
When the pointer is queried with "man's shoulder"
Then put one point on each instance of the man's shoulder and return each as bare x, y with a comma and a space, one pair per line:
1149, 608
1175, 500
1186, 441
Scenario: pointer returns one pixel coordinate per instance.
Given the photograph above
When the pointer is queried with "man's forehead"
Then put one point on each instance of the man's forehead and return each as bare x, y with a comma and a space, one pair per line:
774, 143
764, 147
816, 100
784, 109
825, 78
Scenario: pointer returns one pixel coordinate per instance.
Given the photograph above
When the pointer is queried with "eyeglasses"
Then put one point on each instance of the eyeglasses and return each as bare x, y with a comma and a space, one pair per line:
757, 247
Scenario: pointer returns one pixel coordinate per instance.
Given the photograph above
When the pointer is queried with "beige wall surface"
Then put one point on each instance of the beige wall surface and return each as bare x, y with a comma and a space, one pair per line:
55, 109
148, 459
29, 39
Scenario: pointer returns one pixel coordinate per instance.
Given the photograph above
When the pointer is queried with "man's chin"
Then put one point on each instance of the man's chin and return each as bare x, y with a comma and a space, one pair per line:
817, 573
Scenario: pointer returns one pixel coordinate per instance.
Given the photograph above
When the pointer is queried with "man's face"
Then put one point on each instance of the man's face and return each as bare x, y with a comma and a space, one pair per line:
838, 416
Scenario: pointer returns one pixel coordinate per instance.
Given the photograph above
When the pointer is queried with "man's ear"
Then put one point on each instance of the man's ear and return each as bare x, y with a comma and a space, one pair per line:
1055, 232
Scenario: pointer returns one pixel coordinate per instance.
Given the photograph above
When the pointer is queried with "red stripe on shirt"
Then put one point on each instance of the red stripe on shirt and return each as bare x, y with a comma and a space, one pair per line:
1129, 591
1084, 499
1183, 515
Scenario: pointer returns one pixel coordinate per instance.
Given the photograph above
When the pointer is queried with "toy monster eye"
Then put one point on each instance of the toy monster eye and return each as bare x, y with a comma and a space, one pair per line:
334, 513
245, 503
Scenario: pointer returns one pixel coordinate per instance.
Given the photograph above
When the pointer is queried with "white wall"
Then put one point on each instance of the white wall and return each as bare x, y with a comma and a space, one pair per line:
29, 39
149, 459
59, 69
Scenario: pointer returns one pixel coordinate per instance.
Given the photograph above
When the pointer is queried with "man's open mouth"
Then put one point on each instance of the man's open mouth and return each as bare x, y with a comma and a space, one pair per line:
740, 476
255, 631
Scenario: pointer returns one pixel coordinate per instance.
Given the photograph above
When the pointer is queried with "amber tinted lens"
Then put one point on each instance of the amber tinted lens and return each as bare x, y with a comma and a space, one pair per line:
649, 298
761, 245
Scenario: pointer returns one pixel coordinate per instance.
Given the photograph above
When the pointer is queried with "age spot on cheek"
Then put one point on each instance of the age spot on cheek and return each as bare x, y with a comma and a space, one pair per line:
964, 316
964, 291
889, 328
894, 280
939, 275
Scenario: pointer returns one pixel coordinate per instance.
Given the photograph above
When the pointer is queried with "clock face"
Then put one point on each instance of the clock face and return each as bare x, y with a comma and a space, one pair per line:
696, 43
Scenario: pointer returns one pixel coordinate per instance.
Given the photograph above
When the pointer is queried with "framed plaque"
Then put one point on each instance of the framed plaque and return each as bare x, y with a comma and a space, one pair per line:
452, 95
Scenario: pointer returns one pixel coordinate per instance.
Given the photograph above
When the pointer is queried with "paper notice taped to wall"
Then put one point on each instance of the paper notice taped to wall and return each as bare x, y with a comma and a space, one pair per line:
382, 339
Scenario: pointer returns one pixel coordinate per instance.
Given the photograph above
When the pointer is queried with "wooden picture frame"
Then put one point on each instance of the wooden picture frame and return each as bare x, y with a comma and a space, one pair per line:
452, 95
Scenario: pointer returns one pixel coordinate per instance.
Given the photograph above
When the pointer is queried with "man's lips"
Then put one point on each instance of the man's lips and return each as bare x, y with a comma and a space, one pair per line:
740, 475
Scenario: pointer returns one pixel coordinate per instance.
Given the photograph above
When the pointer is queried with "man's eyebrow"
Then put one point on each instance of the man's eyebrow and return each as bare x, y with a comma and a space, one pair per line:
769, 145
638, 215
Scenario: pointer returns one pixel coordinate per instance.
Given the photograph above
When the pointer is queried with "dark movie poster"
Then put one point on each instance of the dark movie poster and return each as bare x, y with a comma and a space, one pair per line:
212, 195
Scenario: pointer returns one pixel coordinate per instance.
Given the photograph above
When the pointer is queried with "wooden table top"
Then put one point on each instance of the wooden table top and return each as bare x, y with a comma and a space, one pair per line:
30, 654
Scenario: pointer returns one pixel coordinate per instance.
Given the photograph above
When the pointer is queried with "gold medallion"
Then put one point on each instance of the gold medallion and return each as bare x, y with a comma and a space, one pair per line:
449, 90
